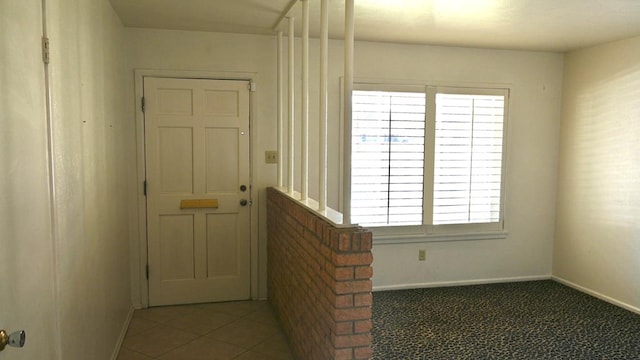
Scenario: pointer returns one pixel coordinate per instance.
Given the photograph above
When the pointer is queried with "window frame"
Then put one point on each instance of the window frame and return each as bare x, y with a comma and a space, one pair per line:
443, 232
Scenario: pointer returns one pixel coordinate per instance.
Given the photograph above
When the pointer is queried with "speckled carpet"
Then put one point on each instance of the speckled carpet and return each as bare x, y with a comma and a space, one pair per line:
526, 320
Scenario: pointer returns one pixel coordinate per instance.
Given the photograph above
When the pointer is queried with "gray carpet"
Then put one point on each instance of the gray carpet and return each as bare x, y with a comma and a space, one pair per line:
527, 320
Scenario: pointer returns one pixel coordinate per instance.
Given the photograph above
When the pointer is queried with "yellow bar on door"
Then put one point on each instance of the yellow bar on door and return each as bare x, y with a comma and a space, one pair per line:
199, 204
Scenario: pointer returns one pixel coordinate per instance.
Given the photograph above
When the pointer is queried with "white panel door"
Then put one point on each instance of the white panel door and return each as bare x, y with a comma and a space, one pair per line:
198, 190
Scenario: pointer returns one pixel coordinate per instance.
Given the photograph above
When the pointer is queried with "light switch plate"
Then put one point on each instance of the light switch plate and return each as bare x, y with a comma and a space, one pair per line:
271, 157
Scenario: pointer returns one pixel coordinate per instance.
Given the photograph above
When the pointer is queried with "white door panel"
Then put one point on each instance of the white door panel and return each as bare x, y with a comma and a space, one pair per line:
197, 149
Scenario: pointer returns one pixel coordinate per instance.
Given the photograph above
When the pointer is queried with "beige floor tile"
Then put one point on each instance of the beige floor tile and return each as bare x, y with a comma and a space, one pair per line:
237, 308
139, 325
164, 313
203, 348
276, 347
252, 355
264, 316
201, 322
158, 340
244, 333
131, 355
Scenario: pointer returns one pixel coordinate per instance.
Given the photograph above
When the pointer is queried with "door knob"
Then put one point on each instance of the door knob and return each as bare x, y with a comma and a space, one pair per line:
15, 339
244, 202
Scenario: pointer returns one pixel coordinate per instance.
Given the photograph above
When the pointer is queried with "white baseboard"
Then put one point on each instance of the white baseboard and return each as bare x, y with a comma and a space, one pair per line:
460, 283
597, 294
123, 333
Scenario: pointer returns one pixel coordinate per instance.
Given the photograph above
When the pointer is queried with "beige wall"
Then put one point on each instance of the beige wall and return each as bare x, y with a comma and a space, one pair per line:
64, 209
93, 143
597, 244
535, 79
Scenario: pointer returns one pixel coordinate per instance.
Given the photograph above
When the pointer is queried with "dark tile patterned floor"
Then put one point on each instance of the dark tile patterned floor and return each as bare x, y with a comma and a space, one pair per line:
528, 320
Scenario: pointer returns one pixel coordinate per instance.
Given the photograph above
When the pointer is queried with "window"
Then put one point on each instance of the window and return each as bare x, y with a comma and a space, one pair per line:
387, 158
468, 158
428, 159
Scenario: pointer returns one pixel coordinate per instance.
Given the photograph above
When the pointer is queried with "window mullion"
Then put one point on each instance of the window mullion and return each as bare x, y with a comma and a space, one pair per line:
429, 155
472, 138
389, 164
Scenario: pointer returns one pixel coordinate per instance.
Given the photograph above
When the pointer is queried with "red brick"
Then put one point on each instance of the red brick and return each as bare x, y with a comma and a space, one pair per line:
362, 326
343, 273
343, 354
360, 286
363, 353
320, 226
344, 328
343, 301
364, 272
366, 241
329, 237
317, 275
352, 259
310, 222
325, 251
365, 299
344, 242
356, 286
328, 280
350, 341
362, 313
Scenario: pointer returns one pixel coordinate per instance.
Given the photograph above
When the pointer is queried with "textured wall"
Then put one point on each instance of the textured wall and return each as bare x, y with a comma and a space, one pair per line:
598, 233
535, 79
93, 147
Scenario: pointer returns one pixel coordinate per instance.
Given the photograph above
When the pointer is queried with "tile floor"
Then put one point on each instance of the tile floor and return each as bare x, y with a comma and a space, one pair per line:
244, 330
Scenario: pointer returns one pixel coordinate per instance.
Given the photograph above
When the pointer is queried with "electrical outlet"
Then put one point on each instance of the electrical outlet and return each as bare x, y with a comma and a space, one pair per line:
422, 255
271, 157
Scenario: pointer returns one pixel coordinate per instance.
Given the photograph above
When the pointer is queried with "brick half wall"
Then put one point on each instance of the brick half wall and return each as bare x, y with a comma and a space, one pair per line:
319, 279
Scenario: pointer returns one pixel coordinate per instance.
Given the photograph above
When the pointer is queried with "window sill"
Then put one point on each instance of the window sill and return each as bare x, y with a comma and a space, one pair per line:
382, 239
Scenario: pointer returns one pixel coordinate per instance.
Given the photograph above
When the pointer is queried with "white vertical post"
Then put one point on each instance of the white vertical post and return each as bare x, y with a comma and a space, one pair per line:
304, 130
324, 73
280, 95
291, 158
348, 92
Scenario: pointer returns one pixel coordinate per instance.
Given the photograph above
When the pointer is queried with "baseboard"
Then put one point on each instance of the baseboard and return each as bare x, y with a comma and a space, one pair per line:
460, 283
123, 333
596, 294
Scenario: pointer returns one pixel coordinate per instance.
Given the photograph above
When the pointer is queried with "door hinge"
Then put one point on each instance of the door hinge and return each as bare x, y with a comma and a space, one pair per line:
142, 103
144, 187
147, 271
252, 86
45, 50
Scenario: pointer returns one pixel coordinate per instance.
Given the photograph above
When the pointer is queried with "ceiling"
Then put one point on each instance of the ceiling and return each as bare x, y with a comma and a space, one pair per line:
541, 25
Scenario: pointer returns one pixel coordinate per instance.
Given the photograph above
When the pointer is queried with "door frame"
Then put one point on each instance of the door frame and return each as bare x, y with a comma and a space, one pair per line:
138, 257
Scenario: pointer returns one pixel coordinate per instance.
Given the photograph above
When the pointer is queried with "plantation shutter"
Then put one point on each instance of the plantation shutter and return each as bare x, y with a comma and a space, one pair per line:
468, 158
387, 158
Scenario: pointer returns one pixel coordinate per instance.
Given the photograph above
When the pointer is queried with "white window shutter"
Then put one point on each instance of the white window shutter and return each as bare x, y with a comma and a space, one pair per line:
387, 158
468, 158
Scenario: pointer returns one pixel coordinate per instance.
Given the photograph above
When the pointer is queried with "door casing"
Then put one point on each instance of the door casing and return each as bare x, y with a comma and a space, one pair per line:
139, 282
